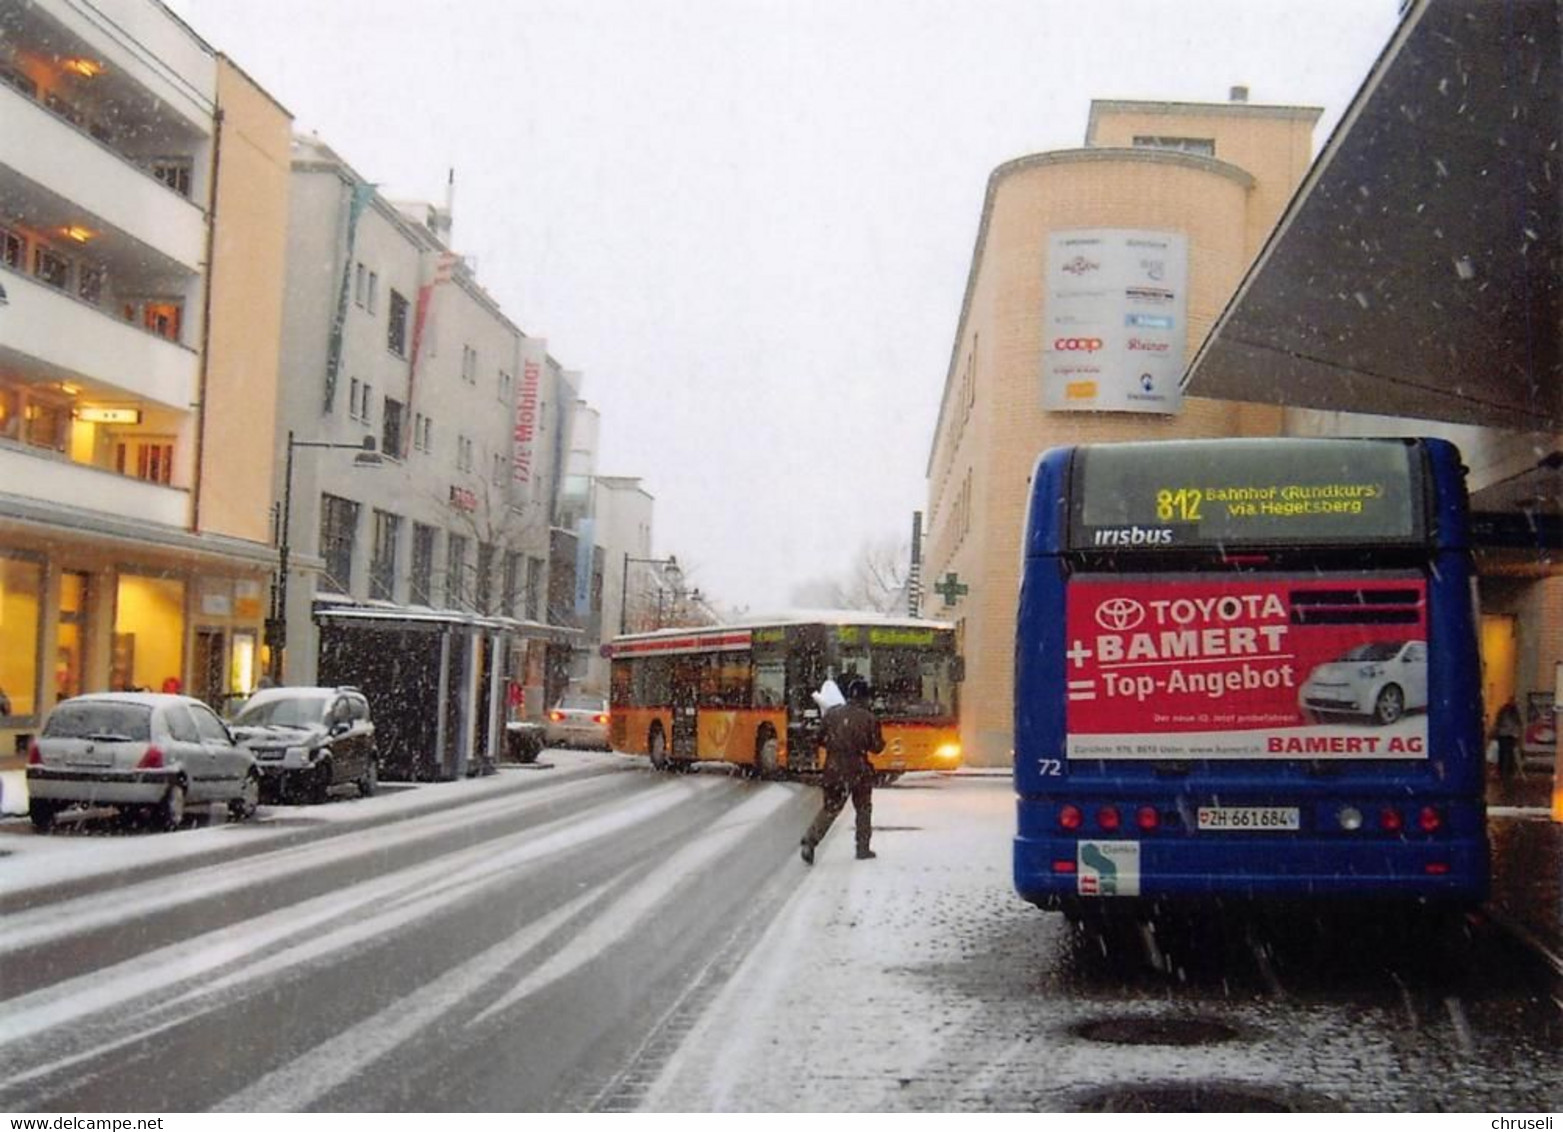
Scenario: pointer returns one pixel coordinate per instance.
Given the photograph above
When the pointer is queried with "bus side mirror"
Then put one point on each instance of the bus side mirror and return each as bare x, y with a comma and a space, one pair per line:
958, 669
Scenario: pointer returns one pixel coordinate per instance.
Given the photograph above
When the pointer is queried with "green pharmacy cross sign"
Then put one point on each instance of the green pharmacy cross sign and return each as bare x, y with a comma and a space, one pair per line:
951, 588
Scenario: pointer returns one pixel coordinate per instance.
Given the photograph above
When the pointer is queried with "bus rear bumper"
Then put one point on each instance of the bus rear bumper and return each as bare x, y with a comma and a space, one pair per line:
1051, 872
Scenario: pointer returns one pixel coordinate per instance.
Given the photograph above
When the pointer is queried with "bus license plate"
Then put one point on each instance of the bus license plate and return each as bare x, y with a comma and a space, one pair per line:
1249, 817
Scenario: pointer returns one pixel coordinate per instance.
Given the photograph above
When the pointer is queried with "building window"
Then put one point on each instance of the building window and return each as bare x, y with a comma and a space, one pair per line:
338, 530
359, 394
512, 588
455, 571
469, 365
173, 172
89, 285
396, 325
1206, 147
146, 459
534, 589
47, 424
360, 284
52, 268
483, 585
374, 286
391, 429
507, 387
382, 566
464, 453
12, 249
421, 580
498, 473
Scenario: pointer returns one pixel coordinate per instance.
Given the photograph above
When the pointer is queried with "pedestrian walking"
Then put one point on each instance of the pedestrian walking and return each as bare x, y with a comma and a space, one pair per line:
1506, 730
850, 734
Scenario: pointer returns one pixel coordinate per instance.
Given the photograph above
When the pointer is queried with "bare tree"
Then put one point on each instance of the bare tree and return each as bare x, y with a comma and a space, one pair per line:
876, 581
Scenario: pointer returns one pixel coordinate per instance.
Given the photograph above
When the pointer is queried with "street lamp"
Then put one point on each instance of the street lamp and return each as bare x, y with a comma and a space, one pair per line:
277, 623
670, 564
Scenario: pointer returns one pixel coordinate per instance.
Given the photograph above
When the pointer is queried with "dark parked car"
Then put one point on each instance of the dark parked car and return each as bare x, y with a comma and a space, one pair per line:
308, 740
141, 752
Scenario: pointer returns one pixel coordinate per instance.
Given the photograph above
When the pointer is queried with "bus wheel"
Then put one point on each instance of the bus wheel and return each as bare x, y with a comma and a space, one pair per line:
1390, 705
767, 753
657, 748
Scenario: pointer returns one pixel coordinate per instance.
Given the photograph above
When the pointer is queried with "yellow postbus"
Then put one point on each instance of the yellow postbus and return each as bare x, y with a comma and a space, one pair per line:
742, 694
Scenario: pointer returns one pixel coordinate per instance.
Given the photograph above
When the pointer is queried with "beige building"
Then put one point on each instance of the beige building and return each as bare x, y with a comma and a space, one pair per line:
143, 202
1037, 334
1217, 175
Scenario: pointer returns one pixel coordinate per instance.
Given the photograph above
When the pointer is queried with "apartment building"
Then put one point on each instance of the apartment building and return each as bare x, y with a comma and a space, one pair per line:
143, 196
419, 461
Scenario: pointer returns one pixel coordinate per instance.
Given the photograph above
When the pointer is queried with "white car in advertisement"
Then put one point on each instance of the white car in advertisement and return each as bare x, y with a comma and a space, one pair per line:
1381, 681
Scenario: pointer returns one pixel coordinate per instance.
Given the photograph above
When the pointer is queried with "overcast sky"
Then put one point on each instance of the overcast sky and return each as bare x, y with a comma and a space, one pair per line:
749, 224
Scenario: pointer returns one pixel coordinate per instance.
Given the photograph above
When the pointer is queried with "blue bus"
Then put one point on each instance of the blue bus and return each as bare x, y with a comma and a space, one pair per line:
1248, 668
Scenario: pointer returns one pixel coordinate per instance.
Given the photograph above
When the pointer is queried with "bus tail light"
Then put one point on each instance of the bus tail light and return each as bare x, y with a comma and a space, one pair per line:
1389, 820
1436, 868
1069, 817
1147, 818
1430, 820
1062, 866
1107, 818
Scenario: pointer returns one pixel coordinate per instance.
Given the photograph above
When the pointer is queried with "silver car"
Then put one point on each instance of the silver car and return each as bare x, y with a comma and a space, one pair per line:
140, 752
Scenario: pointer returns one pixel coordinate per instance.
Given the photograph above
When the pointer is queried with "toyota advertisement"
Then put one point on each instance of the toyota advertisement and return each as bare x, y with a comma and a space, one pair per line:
1115, 323
1314, 668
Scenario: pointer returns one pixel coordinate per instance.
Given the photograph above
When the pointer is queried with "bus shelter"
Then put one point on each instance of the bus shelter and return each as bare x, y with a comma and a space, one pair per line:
440, 683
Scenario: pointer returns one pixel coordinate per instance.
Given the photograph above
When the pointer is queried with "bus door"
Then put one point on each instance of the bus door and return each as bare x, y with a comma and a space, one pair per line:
807, 667
686, 697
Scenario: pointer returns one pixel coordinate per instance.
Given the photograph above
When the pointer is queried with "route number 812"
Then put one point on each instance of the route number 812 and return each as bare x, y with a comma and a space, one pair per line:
1181, 506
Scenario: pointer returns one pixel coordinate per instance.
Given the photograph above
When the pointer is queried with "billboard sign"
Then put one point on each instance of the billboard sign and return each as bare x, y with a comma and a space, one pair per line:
1311, 668
1115, 321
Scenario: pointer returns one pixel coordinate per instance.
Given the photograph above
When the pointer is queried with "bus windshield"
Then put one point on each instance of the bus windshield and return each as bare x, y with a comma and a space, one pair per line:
906, 682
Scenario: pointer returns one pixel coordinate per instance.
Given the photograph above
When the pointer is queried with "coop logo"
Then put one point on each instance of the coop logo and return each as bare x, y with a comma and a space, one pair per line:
1133, 536
1087, 345
1081, 266
1149, 347
1120, 614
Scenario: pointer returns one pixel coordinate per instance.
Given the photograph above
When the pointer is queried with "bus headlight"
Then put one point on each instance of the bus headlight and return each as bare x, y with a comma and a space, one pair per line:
948, 752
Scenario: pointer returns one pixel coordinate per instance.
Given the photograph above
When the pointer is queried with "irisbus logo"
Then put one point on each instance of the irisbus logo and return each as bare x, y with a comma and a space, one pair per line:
1133, 536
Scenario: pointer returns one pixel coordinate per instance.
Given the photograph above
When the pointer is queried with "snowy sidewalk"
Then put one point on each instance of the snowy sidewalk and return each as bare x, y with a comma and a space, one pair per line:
864, 1021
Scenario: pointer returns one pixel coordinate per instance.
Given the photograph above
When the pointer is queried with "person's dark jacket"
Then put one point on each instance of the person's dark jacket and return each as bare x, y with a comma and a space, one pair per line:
850, 733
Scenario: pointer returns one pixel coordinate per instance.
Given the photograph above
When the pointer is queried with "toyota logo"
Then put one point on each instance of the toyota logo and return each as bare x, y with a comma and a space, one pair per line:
1120, 614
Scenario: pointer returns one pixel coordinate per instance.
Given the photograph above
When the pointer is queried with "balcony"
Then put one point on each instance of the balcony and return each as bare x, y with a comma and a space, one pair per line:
47, 334
48, 478
73, 171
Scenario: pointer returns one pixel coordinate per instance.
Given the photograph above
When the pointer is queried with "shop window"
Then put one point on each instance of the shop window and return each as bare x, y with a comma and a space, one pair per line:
24, 83
21, 589
71, 636
149, 632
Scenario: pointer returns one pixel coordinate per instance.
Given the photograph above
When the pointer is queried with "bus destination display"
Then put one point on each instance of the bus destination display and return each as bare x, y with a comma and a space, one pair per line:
1272, 492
